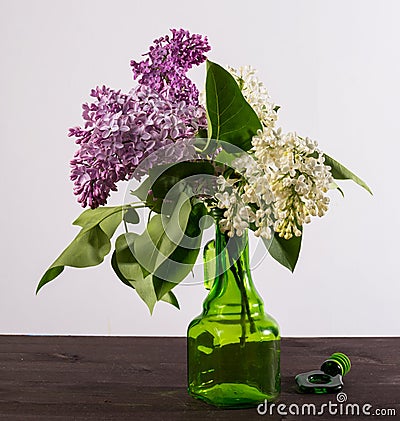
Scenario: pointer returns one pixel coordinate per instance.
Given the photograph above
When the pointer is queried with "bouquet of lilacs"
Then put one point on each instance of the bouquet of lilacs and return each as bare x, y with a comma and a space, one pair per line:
219, 153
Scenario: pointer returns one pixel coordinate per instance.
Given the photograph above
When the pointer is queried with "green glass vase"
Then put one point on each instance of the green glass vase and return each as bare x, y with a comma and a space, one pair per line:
233, 346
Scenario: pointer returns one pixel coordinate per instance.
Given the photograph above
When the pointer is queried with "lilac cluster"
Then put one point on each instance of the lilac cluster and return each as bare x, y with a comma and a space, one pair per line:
120, 132
168, 62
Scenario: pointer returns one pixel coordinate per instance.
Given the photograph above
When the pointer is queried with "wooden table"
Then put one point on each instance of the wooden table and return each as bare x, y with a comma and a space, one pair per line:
134, 378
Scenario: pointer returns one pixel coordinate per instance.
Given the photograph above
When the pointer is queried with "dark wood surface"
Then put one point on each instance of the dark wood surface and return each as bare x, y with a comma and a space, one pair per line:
129, 378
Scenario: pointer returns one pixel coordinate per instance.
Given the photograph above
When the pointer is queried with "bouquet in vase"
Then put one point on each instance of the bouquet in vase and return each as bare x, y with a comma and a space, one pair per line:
216, 158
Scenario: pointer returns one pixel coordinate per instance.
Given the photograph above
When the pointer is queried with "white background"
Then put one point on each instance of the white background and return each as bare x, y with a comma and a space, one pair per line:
334, 68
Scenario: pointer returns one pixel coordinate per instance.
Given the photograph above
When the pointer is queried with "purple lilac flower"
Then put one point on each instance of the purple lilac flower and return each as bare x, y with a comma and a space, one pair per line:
168, 62
121, 131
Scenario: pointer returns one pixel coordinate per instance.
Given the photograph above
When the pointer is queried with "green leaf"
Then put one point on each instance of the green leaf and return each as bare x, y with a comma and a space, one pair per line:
50, 274
87, 249
173, 174
180, 263
145, 194
91, 217
339, 172
334, 186
202, 134
114, 265
170, 298
127, 264
155, 286
163, 178
175, 269
131, 216
145, 288
286, 252
142, 191
91, 244
162, 235
130, 272
230, 117
226, 158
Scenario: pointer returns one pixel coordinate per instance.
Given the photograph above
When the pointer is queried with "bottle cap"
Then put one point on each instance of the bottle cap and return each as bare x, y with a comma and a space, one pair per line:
337, 363
327, 380
316, 381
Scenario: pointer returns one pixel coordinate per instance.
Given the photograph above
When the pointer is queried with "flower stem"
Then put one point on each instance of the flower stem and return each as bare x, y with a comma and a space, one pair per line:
244, 300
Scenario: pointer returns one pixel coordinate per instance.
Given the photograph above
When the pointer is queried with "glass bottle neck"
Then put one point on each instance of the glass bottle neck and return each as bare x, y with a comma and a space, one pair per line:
233, 286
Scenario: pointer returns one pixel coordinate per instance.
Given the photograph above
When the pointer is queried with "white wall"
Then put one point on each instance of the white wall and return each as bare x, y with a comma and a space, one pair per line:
334, 67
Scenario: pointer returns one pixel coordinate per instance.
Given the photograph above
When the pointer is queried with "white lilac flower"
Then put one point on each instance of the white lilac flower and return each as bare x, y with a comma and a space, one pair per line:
283, 180
298, 176
282, 186
247, 200
256, 95
223, 182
